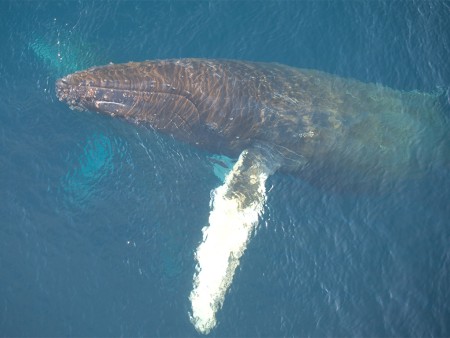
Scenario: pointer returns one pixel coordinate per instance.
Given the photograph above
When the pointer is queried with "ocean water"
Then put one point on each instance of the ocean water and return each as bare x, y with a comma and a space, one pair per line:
100, 219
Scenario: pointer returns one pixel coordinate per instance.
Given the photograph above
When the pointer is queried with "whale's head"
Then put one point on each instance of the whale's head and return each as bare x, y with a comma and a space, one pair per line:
158, 92
189, 99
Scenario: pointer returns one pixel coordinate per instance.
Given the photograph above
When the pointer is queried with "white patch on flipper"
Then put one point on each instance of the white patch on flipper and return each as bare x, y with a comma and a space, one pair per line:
231, 223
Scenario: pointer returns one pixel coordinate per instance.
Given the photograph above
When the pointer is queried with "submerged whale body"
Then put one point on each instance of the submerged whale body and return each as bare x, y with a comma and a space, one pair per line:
331, 131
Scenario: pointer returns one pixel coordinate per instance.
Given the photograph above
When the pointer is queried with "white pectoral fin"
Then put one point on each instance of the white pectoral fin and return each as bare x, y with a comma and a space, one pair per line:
235, 209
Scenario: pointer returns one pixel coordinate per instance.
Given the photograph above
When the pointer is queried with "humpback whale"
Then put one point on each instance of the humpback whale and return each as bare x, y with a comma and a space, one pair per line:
331, 131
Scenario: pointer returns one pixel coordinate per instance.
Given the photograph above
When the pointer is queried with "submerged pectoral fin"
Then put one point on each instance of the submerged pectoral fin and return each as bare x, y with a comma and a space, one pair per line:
235, 208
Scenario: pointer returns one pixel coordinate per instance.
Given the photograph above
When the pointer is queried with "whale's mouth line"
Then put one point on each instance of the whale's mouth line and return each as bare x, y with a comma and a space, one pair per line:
79, 95
110, 102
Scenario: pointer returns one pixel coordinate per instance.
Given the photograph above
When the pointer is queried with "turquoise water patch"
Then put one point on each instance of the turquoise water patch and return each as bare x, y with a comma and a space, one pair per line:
64, 52
221, 165
88, 169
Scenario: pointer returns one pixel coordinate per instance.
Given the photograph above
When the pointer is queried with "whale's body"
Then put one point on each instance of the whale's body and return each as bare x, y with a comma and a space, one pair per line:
315, 121
326, 129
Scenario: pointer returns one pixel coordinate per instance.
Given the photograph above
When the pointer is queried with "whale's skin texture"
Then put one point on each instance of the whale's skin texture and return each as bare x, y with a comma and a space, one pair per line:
324, 128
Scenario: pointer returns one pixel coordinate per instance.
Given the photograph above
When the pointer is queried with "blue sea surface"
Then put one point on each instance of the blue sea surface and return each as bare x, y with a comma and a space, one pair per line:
100, 219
